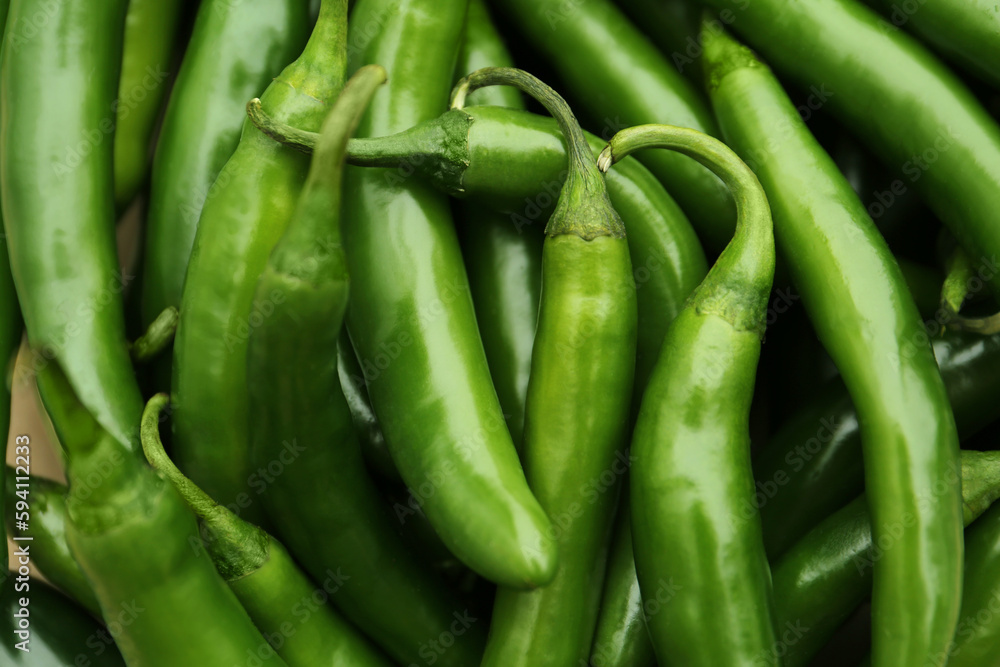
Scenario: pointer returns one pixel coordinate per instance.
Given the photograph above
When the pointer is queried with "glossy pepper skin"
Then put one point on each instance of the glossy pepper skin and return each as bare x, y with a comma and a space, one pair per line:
234, 51
411, 314
138, 546
147, 54
323, 505
966, 32
673, 26
820, 581
863, 314
514, 161
622, 79
47, 529
814, 460
277, 595
977, 635
503, 260
61, 632
906, 105
691, 444
621, 638
57, 85
578, 400
254, 197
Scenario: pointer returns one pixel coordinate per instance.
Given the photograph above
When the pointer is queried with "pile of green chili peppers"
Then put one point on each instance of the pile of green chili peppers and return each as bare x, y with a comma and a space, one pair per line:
357, 344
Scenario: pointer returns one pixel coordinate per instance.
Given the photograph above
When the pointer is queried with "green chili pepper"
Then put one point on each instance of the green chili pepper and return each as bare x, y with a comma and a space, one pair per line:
149, 44
138, 546
863, 314
963, 31
621, 638
906, 105
977, 635
235, 50
621, 79
276, 594
817, 585
691, 446
61, 633
812, 465
304, 446
821, 580
503, 260
58, 81
673, 26
411, 318
577, 406
254, 198
50, 552
515, 161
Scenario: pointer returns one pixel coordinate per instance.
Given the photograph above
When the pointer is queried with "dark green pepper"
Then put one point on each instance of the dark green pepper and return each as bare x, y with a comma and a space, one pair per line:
865, 317
151, 28
305, 450
234, 52
58, 82
578, 400
254, 198
691, 445
411, 318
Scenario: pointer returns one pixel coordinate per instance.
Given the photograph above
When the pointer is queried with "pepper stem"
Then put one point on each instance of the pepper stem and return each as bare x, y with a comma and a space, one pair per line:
236, 547
737, 286
310, 248
583, 208
157, 337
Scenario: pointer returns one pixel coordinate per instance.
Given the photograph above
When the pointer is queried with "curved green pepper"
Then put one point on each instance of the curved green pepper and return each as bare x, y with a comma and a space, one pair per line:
58, 81
577, 406
304, 447
515, 161
902, 101
621, 79
138, 546
691, 445
235, 50
865, 317
148, 49
292, 613
411, 318
254, 198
